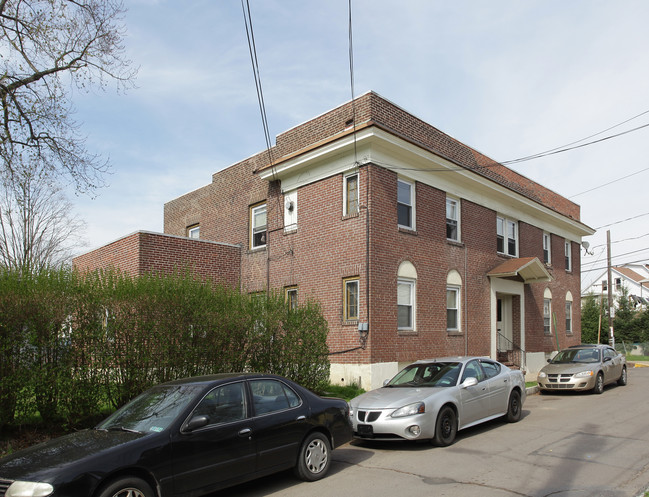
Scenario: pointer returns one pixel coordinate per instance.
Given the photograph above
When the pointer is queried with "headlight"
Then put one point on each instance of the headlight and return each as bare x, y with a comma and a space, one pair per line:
409, 410
583, 374
542, 374
29, 489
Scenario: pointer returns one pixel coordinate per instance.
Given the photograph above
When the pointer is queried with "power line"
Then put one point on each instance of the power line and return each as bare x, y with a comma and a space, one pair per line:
569, 146
623, 221
610, 182
620, 241
255, 70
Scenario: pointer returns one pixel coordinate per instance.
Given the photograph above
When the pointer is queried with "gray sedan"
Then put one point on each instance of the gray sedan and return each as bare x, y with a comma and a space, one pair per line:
433, 399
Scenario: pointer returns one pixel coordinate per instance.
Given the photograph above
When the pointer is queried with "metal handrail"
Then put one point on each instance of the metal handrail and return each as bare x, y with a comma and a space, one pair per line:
515, 354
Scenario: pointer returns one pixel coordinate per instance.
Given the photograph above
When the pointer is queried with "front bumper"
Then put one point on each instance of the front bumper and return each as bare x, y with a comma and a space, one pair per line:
567, 381
376, 424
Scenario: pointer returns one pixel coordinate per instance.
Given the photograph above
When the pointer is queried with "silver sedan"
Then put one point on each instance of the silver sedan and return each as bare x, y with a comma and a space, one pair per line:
433, 399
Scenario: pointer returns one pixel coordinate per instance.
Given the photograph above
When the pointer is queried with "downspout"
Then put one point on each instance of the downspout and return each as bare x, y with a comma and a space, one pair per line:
466, 299
367, 248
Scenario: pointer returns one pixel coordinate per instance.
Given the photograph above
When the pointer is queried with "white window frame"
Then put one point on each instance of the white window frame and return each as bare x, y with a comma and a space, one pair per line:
347, 283
547, 316
412, 303
290, 293
347, 211
194, 232
455, 290
568, 316
290, 211
568, 253
547, 248
455, 204
410, 205
254, 230
503, 226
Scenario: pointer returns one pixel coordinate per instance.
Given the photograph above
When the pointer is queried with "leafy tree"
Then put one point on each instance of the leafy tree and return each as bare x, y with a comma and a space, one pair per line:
50, 47
624, 322
37, 226
590, 319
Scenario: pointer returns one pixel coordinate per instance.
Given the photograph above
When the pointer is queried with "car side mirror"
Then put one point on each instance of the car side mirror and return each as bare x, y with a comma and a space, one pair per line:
606, 359
469, 382
549, 361
197, 422
385, 382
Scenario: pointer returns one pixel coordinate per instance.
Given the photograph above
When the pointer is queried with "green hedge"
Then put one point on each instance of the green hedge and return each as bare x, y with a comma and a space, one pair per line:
72, 345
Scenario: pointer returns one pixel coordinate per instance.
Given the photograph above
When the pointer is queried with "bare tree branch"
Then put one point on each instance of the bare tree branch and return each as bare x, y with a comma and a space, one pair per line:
48, 47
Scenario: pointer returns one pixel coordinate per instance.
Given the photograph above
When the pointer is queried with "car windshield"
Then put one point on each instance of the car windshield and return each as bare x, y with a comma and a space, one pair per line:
576, 356
433, 374
152, 411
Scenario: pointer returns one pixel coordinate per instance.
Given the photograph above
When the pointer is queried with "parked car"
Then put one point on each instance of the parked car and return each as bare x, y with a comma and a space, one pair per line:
187, 437
433, 399
583, 367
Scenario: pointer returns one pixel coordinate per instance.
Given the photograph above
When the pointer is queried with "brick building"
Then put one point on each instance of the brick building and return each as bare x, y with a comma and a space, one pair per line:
426, 246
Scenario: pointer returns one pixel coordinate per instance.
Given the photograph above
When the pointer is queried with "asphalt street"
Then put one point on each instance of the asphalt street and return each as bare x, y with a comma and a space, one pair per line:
566, 445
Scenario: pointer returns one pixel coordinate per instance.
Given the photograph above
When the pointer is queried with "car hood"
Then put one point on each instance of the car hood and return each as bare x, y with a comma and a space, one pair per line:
40, 462
393, 397
568, 368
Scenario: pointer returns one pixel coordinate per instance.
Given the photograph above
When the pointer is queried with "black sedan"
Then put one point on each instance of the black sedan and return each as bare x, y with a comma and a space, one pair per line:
186, 438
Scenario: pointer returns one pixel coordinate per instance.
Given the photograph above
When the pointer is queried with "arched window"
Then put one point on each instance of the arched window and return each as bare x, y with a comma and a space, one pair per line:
547, 312
406, 293
453, 294
568, 312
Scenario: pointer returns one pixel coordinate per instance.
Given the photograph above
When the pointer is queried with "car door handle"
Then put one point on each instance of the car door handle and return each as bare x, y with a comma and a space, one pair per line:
300, 418
245, 432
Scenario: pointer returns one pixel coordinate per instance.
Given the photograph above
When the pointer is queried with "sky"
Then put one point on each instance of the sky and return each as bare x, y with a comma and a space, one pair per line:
509, 78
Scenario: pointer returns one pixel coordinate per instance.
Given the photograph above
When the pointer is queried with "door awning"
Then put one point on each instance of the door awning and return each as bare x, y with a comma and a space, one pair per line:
525, 269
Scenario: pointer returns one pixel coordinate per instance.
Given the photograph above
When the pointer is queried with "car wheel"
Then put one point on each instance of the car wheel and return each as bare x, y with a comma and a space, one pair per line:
127, 487
445, 427
514, 407
599, 384
314, 458
623, 378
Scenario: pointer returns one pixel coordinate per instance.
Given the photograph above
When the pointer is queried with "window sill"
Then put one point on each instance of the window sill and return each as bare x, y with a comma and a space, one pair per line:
454, 333
257, 249
407, 332
350, 322
455, 243
407, 231
350, 216
290, 230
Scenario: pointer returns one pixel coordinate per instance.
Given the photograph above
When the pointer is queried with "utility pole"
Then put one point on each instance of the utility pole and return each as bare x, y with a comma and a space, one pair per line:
611, 307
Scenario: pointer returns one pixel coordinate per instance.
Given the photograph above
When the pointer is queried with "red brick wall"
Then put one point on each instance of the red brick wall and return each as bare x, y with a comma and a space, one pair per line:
145, 252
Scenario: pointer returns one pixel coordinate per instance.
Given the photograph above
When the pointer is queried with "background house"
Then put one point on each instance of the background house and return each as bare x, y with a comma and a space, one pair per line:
632, 277
415, 244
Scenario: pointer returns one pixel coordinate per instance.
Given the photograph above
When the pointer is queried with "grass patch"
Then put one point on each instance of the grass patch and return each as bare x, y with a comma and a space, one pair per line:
529, 384
347, 392
637, 358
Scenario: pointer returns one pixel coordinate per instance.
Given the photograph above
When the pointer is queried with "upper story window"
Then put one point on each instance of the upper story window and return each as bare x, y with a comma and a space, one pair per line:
453, 287
350, 195
194, 231
506, 236
452, 219
604, 285
405, 204
350, 299
568, 256
547, 255
258, 227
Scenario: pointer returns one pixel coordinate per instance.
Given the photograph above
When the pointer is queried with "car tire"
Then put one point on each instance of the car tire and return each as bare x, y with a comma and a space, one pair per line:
622, 380
514, 407
129, 486
599, 384
445, 427
314, 457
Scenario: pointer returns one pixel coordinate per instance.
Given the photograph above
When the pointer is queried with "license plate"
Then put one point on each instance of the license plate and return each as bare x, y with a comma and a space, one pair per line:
365, 430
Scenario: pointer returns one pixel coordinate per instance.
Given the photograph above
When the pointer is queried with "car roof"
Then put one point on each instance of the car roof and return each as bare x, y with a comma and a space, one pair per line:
210, 378
462, 359
589, 346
